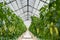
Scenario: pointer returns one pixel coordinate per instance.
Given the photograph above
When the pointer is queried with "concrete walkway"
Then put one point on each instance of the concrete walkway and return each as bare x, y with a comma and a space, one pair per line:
27, 36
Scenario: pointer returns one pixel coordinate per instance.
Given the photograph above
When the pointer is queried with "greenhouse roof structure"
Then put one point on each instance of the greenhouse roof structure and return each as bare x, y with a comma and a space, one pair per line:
26, 8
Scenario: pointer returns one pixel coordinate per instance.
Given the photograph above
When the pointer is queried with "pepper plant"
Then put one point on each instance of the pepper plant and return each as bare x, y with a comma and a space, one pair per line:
47, 25
11, 26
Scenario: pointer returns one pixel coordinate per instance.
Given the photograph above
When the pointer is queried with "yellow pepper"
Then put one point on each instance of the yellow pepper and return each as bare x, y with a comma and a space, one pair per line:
57, 33
37, 30
51, 30
52, 24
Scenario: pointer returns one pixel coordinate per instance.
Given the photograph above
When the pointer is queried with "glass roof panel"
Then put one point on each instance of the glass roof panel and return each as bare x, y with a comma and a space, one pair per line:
30, 9
25, 9
19, 4
23, 2
32, 2
14, 5
36, 3
21, 11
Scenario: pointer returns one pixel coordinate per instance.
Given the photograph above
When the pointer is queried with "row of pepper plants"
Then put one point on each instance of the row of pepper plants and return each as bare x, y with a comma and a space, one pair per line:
11, 26
47, 26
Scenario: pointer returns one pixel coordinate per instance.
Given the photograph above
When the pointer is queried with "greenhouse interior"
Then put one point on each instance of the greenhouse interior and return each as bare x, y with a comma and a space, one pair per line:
29, 19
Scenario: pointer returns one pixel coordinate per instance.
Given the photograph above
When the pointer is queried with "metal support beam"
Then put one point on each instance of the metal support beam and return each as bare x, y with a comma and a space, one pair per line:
10, 2
38, 5
22, 5
27, 9
33, 5
17, 5
12, 5
34, 8
44, 1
